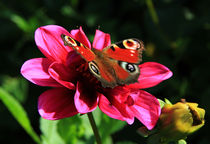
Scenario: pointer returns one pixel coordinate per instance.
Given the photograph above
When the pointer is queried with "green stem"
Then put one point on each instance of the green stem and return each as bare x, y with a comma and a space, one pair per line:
94, 127
152, 11
155, 20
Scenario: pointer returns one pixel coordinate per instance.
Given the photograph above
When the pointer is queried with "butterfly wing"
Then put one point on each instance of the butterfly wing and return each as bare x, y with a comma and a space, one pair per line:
129, 50
112, 72
102, 69
125, 56
97, 65
81, 49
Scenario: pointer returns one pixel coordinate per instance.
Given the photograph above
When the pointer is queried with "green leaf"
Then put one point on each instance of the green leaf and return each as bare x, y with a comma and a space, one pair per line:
167, 101
162, 103
87, 126
18, 113
182, 141
107, 140
16, 86
109, 126
71, 129
20, 22
49, 132
68, 11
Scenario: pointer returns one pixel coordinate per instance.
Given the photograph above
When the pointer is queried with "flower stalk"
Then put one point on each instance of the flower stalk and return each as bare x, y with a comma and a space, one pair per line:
152, 12
94, 127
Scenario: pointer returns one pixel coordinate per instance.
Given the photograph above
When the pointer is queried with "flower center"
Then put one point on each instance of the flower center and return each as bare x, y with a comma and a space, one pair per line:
76, 62
86, 76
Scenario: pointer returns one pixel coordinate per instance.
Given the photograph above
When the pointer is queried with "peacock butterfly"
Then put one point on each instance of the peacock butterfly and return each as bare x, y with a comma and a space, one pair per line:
115, 65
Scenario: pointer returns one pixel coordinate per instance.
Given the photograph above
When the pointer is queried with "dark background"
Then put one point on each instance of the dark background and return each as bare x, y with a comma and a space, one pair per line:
176, 34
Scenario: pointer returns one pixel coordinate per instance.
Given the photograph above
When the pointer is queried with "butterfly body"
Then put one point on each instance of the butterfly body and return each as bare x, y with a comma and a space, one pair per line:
115, 65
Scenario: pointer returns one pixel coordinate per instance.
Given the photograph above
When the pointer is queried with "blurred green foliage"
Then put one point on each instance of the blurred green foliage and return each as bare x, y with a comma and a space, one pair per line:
176, 33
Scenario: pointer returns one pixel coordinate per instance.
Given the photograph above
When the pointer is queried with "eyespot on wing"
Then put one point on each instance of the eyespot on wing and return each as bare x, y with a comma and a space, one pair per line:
85, 52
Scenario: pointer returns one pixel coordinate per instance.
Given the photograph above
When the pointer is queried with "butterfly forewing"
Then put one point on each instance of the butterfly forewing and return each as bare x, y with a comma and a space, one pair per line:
81, 49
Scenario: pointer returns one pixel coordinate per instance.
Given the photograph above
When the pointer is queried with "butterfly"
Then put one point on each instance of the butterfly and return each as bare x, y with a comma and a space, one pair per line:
115, 65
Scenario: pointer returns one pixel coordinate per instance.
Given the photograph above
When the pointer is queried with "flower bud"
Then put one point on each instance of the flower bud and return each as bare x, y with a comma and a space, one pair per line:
179, 120
175, 123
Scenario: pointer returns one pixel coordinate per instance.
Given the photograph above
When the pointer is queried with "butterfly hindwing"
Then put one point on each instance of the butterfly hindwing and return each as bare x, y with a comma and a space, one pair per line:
81, 49
112, 72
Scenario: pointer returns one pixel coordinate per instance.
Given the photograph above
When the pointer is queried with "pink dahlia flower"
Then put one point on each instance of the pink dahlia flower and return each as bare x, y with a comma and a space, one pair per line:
75, 90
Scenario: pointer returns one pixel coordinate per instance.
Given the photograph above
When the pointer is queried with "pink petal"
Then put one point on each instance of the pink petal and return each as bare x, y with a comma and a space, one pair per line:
49, 41
146, 108
101, 40
112, 111
86, 98
117, 97
79, 35
36, 71
56, 104
151, 74
62, 75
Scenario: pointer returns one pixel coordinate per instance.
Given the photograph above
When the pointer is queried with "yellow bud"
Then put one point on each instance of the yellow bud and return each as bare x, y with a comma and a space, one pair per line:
179, 120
